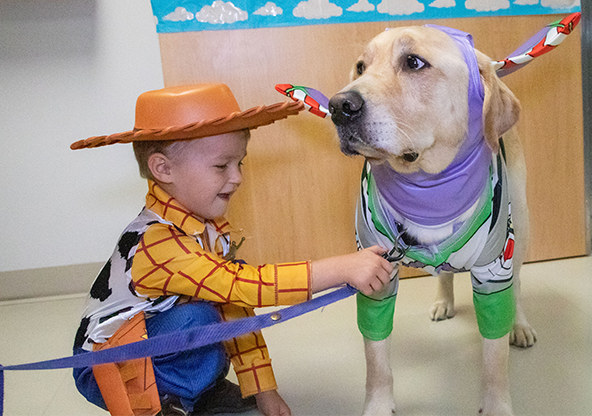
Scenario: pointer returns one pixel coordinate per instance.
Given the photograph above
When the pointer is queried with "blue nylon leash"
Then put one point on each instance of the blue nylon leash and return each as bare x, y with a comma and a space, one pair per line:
180, 340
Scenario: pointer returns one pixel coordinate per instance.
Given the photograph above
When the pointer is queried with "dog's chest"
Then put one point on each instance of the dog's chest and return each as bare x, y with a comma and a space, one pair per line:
451, 245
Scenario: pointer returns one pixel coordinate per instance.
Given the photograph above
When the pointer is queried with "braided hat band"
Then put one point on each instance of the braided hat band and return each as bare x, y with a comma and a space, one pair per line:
191, 112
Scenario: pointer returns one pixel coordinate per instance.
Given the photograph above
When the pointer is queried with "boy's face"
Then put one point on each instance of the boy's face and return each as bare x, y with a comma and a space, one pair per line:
207, 172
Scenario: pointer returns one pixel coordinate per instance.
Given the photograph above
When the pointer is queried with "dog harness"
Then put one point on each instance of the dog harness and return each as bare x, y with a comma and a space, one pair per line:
483, 244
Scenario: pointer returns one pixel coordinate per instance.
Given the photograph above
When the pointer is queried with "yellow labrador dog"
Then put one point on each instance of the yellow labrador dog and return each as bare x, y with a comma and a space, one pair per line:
443, 188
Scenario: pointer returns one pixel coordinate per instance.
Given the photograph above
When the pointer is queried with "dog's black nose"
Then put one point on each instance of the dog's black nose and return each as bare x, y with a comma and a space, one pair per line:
345, 107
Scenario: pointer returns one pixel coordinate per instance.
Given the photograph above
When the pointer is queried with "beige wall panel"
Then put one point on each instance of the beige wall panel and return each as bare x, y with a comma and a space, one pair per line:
299, 194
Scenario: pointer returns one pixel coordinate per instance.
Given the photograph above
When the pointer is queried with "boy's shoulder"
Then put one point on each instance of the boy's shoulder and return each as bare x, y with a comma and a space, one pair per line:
136, 229
144, 220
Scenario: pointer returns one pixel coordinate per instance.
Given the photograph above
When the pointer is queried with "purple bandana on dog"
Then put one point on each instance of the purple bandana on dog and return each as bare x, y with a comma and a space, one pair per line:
434, 199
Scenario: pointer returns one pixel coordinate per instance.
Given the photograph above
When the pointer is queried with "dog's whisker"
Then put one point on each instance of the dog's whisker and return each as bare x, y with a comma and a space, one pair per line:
355, 135
405, 135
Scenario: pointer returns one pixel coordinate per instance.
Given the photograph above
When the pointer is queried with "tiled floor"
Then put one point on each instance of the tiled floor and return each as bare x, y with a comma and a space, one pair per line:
319, 362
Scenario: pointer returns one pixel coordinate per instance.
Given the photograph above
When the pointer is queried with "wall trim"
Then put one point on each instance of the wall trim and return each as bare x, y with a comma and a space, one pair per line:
48, 281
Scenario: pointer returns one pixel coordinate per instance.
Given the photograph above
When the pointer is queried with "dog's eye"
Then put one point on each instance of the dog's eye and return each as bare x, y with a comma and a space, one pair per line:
415, 62
360, 67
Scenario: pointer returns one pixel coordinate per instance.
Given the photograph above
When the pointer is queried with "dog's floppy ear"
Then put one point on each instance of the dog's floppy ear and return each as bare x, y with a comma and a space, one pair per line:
501, 108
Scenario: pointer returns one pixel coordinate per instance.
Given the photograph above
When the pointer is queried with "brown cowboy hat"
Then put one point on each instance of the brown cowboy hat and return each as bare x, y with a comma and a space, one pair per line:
191, 112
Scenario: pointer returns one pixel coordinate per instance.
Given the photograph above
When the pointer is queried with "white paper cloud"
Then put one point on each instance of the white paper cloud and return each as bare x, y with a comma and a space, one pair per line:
179, 15
526, 2
487, 5
400, 7
361, 6
560, 4
221, 12
317, 9
443, 3
270, 9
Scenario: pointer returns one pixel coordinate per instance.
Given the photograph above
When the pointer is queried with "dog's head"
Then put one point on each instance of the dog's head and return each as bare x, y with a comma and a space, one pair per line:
407, 102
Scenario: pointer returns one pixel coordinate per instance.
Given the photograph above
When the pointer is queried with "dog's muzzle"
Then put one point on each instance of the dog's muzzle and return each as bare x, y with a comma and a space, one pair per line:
347, 109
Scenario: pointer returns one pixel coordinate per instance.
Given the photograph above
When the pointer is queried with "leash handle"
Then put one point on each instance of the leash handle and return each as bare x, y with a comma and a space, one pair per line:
1, 390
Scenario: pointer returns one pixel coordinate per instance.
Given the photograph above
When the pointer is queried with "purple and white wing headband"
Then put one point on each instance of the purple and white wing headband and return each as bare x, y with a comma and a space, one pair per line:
544, 41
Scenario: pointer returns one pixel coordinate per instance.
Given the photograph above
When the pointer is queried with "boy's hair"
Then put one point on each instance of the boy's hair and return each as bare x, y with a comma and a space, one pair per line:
170, 148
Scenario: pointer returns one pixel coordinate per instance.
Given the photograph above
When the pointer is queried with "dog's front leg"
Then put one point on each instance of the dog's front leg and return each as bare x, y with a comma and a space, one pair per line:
443, 307
495, 399
523, 334
379, 379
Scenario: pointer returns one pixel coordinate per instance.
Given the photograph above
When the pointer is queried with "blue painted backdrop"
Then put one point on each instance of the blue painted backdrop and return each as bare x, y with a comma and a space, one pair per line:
182, 16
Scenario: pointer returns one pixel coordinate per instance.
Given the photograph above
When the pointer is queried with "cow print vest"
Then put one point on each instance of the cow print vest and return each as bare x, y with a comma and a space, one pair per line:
112, 299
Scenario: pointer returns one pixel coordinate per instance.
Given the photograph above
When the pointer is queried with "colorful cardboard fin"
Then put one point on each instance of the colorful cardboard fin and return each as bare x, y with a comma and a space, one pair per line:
544, 41
316, 102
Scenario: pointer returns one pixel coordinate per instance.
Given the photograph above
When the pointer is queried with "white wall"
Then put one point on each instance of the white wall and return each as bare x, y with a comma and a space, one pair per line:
70, 70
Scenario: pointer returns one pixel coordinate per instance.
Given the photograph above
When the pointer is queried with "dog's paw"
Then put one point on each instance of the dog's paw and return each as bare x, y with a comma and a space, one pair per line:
378, 408
495, 406
441, 310
523, 336
496, 411
379, 403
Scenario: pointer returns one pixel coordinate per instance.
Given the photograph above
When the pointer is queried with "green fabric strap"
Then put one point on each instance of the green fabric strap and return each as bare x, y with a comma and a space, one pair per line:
375, 317
495, 312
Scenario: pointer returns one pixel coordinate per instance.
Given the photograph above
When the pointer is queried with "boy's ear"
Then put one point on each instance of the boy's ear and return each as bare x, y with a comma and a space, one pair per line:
160, 166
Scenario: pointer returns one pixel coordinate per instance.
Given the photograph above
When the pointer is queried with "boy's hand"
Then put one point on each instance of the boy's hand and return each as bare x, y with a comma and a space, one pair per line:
366, 270
369, 271
270, 403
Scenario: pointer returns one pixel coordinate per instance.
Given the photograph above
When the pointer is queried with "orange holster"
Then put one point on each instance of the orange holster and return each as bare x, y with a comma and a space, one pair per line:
128, 388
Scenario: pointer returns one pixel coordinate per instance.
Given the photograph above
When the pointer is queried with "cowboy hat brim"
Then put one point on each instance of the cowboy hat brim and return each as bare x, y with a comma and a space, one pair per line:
248, 119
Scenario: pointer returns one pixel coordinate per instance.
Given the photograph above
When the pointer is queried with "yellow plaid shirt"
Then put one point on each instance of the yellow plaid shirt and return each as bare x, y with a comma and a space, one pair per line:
185, 257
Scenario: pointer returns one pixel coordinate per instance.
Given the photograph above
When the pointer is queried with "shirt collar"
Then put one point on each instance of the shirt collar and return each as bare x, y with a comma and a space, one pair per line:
169, 209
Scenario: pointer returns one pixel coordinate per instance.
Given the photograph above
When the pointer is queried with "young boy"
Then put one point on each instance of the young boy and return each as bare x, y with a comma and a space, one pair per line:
174, 263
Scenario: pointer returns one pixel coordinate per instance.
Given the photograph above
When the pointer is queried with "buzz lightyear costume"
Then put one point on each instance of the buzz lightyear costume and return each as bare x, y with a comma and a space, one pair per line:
476, 179
483, 244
